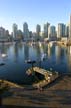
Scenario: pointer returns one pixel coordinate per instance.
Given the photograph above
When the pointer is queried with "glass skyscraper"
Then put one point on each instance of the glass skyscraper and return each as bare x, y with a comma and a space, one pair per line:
25, 32
15, 29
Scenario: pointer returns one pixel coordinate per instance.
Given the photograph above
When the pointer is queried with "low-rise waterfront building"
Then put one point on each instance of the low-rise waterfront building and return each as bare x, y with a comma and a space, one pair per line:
4, 35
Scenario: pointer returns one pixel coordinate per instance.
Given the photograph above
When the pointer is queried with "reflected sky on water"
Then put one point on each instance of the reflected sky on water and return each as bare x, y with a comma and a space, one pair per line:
57, 58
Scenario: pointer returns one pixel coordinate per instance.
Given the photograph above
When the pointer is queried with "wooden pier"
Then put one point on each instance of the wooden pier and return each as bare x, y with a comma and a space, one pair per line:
48, 76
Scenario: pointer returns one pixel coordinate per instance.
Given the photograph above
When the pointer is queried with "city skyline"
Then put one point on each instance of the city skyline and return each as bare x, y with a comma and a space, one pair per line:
33, 12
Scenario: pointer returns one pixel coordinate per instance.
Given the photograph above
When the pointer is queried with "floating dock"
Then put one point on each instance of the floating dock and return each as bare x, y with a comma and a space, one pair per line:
48, 76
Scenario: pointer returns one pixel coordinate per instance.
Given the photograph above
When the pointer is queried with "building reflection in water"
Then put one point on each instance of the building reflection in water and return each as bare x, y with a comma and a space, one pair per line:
42, 49
16, 53
3, 49
45, 48
26, 52
20, 46
53, 50
49, 51
58, 53
38, 52
69, 58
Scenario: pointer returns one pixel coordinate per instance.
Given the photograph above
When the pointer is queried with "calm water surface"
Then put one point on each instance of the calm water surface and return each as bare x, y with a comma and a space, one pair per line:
57, 58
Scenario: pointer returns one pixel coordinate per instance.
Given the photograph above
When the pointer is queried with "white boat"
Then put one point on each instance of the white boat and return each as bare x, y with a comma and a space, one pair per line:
4, 55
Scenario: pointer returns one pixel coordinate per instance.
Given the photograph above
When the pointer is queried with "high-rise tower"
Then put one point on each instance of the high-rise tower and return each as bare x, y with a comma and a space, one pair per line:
38, 30
25, 31
46, 26
15, 28
70, 28
61, 30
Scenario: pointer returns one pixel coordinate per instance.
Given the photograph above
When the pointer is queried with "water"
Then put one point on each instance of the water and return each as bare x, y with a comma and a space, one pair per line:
57, 58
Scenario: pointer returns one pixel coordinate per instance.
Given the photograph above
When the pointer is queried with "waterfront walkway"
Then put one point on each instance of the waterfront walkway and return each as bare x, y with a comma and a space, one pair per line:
55, 95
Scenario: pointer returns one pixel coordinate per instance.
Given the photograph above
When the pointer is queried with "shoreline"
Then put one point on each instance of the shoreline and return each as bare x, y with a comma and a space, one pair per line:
10, 84
60, 43
41, 83
55, 95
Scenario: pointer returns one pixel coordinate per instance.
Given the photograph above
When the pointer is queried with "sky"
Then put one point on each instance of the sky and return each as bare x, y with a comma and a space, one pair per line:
33, 12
